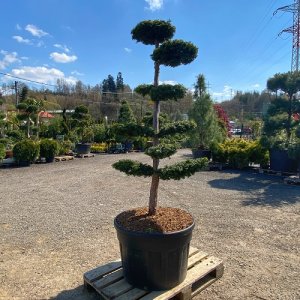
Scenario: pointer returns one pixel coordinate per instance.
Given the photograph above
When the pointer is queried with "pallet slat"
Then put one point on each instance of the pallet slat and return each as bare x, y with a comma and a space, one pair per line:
109, 282
99, 272
202, 268
116, 289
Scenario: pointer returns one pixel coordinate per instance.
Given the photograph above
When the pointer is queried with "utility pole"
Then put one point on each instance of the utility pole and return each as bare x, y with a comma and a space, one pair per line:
16, 92
295, 30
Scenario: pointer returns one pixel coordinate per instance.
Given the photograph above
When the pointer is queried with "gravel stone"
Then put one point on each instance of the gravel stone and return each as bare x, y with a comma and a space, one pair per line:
56, 223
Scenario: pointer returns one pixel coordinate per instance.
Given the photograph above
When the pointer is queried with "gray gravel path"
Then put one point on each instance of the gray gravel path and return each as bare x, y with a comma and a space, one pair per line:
56, 222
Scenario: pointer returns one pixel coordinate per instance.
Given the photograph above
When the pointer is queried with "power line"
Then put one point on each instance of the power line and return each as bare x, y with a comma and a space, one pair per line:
29, 80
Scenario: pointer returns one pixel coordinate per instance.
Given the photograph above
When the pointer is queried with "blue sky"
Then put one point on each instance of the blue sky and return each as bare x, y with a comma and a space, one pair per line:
239, 46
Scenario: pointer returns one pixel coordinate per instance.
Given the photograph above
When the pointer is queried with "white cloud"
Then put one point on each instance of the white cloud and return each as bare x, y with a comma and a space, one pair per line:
18, 27
256, 86
226, 94
155, 4
171, 82
20, 39
35, 31
42, 74
77, 73
40, 44
8, 59
62, 57
63, 47
24, 57
127, 50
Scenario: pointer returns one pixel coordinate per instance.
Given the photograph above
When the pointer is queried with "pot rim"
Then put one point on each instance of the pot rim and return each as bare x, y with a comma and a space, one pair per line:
152, 234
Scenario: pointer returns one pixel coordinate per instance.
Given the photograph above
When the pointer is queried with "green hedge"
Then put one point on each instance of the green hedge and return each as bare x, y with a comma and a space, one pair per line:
239, 153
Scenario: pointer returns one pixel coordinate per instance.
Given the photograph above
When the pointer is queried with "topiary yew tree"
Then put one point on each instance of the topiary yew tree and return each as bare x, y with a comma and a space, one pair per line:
171, 53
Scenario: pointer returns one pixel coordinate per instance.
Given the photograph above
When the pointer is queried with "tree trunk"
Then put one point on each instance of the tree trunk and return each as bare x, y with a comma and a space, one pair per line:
28, 127
155, 176
289, 123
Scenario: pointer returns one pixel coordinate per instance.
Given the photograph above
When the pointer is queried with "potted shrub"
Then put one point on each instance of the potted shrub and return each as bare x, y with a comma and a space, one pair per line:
48, 149
26, 152
154, 240
294, 149
279, 122
82, 121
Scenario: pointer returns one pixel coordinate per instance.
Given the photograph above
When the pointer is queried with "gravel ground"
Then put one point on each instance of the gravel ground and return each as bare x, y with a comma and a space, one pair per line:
56, 222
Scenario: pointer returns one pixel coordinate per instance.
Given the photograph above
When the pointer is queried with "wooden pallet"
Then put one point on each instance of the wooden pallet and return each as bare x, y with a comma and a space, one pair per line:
292, 180
108, 281
85, 155
273, 172
63, 158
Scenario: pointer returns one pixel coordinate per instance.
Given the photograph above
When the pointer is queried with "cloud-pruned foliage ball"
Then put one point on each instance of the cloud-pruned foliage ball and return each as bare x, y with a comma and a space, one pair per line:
175, 53
152, 32
182, 169
161, 151
166, 92
134, 168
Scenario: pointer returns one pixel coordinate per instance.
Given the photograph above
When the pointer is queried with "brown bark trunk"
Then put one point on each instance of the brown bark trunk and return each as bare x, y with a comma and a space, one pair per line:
289, 125
155, 176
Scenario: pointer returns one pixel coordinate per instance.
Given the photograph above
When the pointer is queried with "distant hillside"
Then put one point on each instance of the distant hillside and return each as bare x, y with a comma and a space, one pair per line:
247, 106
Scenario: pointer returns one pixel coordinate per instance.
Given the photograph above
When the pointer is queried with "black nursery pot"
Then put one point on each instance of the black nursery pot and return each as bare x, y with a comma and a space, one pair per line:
154, 261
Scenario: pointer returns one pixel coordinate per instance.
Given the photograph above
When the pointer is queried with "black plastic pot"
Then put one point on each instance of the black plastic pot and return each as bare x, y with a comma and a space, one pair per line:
154, 261
83, 148
280, 161
197, 153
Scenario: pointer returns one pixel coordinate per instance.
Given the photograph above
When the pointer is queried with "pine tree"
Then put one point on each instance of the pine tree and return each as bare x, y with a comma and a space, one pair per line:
126, 114
171, 53
119, 82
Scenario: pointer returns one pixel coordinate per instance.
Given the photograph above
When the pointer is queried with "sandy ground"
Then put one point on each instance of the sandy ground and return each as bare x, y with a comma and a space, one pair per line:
56, 222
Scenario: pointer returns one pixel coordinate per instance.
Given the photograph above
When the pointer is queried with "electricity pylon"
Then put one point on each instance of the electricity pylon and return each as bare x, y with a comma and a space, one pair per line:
295, 30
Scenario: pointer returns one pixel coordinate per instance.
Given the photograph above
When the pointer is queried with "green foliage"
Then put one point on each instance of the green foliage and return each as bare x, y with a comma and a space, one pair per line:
15, 135
200, 86
183, 169
81, 122
99, 133
126, 114
133, 130
287, 82
48, 148
280, 113
161, 151
26, 150
166, 92
294, 150
134, 168
87, 135
152, 32
65, 147
239, 153
207, 131
175, 53
180, 127
143, 89
2, 151
119, 82
259, 154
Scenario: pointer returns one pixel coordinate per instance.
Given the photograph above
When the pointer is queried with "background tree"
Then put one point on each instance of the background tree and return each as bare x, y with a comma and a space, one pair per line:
126, 114
207, 130
281, 112
200, 86
120, 83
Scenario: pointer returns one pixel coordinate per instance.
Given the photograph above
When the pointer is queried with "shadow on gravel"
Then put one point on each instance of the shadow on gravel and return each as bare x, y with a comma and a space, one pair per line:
79, 293
264, 190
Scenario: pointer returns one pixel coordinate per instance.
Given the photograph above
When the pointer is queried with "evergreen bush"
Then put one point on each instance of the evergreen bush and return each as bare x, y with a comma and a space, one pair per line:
26, 151
48, 148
